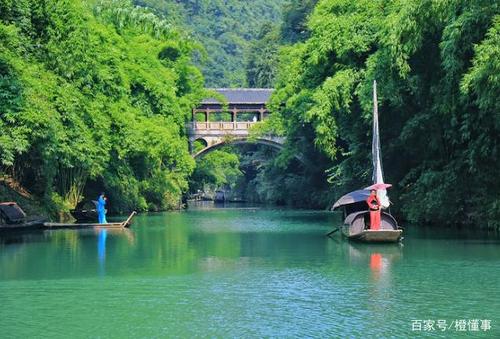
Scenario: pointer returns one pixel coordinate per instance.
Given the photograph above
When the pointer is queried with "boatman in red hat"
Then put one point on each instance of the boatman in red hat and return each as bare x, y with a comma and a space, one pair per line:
374, 206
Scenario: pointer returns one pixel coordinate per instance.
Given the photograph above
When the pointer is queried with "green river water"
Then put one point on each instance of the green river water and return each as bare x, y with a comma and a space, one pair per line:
246, 272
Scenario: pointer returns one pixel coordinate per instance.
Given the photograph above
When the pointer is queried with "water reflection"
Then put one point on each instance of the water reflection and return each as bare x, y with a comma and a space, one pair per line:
376, 265
101, 250
101, 244
378, 257
20, 237
231, 273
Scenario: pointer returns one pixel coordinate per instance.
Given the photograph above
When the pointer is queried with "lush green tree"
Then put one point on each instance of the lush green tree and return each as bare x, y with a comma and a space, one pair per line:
93, 96
294, 25
435, 63
216, 170
226, 29
262, 59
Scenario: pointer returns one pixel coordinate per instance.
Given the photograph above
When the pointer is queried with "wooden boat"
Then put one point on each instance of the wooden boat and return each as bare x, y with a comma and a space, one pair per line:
13, 218
356, 213
34, 224
115, 225
356, 227
85, 211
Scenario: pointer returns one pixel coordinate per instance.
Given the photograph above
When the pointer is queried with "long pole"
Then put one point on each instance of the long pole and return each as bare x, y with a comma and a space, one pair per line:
378, 175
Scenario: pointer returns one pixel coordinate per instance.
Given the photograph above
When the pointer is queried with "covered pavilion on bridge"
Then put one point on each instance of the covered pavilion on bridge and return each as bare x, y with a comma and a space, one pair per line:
215, 123
243, 105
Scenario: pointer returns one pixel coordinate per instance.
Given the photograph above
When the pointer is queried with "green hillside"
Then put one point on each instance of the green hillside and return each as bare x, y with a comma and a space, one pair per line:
225, 28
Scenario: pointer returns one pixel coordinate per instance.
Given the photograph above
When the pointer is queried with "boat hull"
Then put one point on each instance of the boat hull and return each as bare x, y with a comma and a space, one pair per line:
56, 225
356, 227
377, 236
119, 225
25, 226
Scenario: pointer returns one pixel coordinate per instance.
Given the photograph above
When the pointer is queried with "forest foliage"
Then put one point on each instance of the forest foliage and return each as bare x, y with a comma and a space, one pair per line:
219, 169
225, 28
437, 65
94, 96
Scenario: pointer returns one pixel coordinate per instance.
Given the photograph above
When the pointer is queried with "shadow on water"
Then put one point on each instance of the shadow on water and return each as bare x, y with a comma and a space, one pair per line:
19, 237
472, 234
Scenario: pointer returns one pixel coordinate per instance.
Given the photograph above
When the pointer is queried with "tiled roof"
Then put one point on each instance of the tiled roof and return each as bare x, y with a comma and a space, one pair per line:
242, 95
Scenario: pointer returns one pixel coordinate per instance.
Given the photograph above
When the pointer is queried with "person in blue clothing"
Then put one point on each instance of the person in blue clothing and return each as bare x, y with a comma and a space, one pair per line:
101, 210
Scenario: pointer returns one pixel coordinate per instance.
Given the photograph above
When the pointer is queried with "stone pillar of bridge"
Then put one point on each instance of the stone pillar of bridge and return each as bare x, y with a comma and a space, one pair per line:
207, 115
261, 114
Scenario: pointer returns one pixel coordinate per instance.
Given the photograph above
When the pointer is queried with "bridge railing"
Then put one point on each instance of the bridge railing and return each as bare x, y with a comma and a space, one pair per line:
222, 125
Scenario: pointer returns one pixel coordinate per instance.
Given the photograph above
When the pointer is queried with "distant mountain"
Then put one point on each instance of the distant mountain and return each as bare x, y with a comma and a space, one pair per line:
226, 29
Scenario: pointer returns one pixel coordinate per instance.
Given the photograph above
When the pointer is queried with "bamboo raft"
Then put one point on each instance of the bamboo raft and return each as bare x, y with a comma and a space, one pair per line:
114, 225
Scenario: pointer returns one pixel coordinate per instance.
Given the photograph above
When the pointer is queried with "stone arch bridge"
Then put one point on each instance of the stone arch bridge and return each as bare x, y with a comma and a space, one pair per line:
213, 125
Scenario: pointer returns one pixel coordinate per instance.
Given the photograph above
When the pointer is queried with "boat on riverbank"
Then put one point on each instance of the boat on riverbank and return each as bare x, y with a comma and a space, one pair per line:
13, 218
116, 225
356, 213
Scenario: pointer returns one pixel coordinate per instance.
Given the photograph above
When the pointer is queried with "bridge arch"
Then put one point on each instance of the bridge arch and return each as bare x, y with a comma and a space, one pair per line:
199, 142
276, 143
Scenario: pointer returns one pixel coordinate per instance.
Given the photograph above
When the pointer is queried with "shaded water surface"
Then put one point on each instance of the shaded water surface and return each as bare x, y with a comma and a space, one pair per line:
244, 272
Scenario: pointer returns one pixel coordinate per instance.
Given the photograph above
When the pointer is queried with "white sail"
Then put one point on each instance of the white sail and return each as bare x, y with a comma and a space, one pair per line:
378, 175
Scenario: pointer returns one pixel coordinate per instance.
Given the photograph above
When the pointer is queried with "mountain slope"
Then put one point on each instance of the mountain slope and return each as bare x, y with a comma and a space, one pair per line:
226, 29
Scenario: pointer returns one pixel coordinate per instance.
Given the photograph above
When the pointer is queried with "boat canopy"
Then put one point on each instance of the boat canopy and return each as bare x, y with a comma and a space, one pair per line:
11, 212
351, 198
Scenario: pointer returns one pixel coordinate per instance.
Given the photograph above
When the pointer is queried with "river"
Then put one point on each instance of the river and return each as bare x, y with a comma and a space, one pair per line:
246, 272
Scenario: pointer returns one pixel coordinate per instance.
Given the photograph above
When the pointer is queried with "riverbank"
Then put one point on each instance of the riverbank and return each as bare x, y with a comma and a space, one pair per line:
10, 190
30, 205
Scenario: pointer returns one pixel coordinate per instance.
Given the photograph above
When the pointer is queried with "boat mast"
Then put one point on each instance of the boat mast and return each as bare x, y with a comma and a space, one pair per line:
378, 176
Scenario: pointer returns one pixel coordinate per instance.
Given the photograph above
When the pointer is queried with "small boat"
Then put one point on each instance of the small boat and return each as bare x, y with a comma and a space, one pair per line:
13, 218
356, 214
119, 225
85, 211
220, 197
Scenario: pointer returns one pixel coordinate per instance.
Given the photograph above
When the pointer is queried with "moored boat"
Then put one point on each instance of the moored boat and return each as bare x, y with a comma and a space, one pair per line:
13, 218
85, 211
356, 227
356, 212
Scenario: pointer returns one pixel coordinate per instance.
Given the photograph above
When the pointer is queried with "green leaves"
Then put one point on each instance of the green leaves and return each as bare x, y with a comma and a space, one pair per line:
335, 95
483, 78
92, 97
123, 16
436, 63
225, 29
216, 170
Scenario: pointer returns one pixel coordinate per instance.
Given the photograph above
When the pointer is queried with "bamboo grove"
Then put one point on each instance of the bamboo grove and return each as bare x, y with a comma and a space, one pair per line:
94, 96
437, 64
